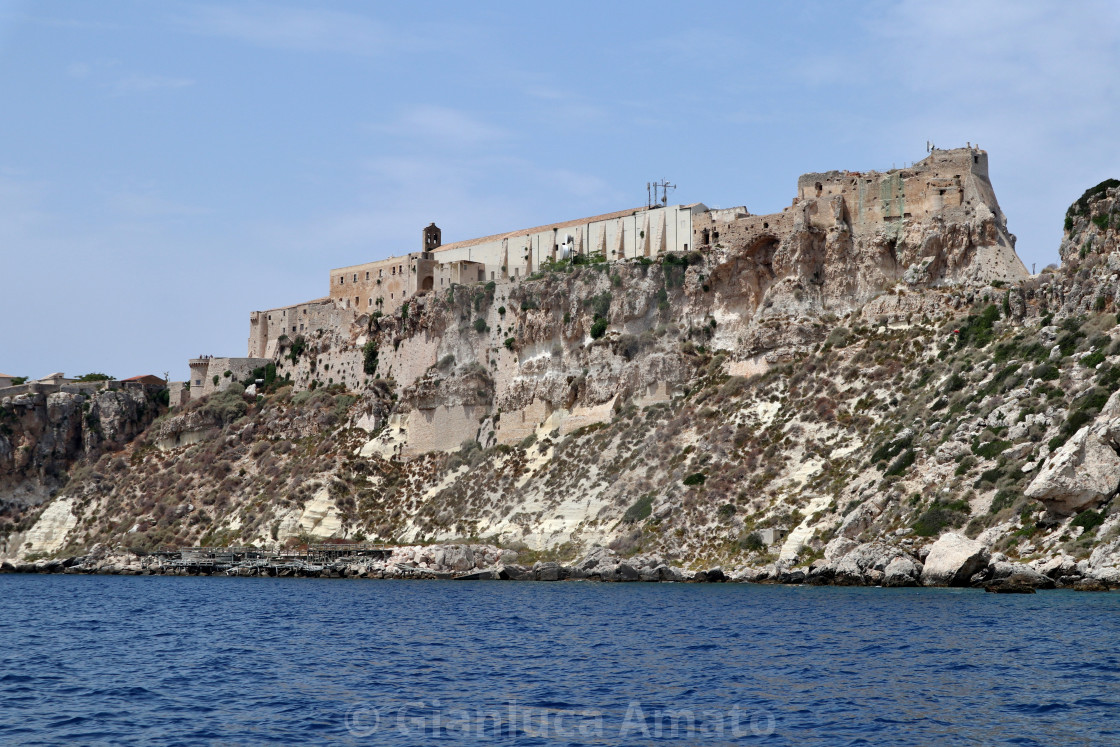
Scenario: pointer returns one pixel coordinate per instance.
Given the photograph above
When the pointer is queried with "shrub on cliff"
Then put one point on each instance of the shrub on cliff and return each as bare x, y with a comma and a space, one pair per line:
598, 328
369, 357
640, 511
1081, 206
940, 515
977, 328
696, 478
227, 405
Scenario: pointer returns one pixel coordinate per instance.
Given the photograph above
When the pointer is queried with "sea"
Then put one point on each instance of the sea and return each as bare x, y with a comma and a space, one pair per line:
159, 660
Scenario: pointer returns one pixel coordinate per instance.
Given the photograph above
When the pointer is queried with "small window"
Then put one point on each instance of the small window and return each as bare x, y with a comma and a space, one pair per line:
270, 317
198, 382
390, 296
301, 328
356, 301
355, 277
686, 247
371, 301
491, 274
293, 328
367, 276
393, 271
341, 280
381, 273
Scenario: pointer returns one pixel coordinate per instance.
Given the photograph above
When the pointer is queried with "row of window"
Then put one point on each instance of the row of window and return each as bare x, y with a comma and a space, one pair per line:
284, 313
380, 274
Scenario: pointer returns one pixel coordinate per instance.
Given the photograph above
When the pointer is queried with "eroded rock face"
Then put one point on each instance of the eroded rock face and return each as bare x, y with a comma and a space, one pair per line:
42, 436
953, 561
869, 564
1086, 468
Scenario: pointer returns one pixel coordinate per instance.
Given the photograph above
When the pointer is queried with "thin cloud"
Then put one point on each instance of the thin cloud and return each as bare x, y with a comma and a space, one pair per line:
296, 29
443, 126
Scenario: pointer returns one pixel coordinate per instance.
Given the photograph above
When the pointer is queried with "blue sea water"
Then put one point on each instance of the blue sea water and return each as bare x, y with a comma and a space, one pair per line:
257, 661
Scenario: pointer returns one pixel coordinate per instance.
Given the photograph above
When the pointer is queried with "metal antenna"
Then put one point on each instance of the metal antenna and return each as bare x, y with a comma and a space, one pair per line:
665, 187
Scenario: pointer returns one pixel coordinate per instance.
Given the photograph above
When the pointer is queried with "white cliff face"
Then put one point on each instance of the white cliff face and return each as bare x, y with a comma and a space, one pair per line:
318, 518
48, 534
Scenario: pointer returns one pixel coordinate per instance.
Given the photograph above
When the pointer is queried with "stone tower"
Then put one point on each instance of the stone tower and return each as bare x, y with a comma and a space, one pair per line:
432, 237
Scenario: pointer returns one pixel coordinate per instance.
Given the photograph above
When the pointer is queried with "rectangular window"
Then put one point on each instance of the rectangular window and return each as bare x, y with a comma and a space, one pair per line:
356, 301
293, 328
301, 328
367, 277
393, 271
381, 273
491, 274
355, 277
341, 280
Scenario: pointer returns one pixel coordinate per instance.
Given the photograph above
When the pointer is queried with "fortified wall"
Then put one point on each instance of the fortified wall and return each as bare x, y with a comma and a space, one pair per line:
846, 234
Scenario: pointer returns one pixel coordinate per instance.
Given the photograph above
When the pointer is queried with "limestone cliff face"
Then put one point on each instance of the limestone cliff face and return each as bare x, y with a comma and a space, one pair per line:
830, 394
43, 435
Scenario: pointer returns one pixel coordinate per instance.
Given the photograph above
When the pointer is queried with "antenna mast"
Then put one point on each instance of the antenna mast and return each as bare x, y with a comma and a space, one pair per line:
665, 187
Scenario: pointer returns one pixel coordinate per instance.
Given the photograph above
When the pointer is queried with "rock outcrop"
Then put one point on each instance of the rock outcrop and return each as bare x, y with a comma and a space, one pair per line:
1086, 469
953, 560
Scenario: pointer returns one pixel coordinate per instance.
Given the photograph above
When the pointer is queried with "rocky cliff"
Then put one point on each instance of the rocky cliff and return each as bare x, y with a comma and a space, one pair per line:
820, 396
44, 436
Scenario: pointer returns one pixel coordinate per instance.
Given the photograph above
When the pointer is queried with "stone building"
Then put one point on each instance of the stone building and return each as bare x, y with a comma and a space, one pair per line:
950, 185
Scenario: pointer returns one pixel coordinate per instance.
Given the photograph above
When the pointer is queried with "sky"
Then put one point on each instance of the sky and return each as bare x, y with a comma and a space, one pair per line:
168, 167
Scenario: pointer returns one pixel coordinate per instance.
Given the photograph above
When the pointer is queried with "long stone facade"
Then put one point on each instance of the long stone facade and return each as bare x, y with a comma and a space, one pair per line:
952, 184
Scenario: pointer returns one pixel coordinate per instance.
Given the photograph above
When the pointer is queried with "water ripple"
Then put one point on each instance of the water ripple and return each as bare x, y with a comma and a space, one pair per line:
190, 661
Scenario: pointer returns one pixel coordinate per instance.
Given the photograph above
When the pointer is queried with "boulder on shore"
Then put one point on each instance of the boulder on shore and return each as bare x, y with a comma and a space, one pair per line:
953, 560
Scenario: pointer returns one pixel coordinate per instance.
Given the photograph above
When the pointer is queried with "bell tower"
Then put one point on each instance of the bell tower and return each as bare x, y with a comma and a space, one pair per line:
432, 237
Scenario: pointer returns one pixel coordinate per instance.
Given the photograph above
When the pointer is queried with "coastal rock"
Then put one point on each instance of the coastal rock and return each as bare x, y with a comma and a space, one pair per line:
1018, 573
869, 564
1086, 468
953, 560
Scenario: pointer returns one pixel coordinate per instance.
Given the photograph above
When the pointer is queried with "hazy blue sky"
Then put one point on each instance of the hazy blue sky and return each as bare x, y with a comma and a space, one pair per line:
167, 167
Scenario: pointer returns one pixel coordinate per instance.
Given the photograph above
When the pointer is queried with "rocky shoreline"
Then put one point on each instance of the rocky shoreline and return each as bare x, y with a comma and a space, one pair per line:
953, 561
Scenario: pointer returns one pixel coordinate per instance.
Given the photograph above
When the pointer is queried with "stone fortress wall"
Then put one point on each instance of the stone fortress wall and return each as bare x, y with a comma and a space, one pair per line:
946, 185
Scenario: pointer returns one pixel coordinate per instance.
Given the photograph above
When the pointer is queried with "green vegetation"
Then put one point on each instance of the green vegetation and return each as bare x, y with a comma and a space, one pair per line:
1081, 206
369, 357
640, 511
1089, 519
299, 346
598, 328
752, 542
977, 328
696, 478
481, 326
227, 405
991, 449
509, 342
94, 377
940, 515
902, 463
